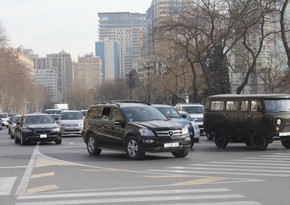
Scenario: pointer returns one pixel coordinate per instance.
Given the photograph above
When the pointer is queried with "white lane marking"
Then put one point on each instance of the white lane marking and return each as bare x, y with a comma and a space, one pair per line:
134, 199
6, 185
123, 193
240, 166
220, 173
25, 179
252, 163
14, 167
220, 203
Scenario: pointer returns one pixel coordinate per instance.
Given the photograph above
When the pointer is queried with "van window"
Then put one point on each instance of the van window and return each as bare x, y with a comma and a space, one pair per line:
217, 105
232, 105
256, 106
279, 105
244, 105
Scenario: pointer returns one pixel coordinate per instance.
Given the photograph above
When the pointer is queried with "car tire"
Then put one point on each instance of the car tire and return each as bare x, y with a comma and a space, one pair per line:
58, 141
181, 153
92, 145
259, 142
286, 143
22, 140
221, 140
133, 149
16, 140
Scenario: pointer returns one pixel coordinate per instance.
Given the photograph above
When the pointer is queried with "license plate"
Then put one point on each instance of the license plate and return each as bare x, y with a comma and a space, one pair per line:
174, 144
43, 136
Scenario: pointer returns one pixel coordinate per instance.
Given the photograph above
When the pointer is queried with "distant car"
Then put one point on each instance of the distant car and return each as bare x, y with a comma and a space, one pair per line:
194, 125
12, 125
84, 112
196, 111
4, 118
171, 113
37, 127
71, 123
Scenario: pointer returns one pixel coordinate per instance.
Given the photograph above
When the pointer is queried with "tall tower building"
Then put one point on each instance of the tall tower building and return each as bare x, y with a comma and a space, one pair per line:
108, 51
55, 73
128, 30
87, 72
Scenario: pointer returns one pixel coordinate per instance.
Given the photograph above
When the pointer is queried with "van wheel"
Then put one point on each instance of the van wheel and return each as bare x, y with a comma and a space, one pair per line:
286, 143
92, 146
133, 149
181, 153
259, 142
220, 140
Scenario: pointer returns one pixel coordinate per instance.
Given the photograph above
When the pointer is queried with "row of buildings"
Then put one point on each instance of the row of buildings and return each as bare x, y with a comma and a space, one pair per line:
124, 39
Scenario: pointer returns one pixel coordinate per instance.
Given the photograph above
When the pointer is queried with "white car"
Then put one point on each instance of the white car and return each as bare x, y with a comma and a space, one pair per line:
194, 125
195, 111
71, 123
4, 118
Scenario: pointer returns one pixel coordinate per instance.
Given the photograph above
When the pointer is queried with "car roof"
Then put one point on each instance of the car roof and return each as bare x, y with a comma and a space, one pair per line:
122, 103
162, 105
35, 114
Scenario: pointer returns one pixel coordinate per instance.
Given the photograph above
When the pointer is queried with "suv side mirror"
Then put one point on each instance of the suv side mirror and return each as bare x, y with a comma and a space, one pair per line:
183, 115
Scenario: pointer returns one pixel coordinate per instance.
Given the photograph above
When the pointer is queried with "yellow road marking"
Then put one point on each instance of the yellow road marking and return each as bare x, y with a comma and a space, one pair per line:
41, 189
42, 175
199, 181
44, 162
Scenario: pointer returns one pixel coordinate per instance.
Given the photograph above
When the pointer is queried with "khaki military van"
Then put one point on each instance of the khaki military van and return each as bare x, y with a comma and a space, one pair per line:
255, 119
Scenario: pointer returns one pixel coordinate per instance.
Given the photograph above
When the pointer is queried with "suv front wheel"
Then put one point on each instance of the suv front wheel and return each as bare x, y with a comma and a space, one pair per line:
181, 153
133, 149
92, 145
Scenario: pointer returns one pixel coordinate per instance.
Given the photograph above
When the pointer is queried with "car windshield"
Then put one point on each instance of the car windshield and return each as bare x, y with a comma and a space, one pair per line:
3, 115
53, 111
38, 119
143, 114
193, 109
280, 105
169, 112
71, 116
16, 119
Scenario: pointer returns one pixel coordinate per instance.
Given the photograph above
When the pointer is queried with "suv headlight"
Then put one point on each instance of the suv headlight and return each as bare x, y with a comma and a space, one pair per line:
278, 122
146, 132
26, 130
185, 129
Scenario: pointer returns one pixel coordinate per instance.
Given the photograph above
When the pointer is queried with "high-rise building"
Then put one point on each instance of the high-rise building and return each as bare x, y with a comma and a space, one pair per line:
87, 72
128, 30
108, 51
55, 73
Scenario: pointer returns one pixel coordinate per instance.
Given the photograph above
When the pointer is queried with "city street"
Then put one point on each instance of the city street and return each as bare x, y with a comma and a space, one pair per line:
49, 174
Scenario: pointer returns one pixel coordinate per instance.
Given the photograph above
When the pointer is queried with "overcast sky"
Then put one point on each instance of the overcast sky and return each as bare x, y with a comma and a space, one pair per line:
50, 26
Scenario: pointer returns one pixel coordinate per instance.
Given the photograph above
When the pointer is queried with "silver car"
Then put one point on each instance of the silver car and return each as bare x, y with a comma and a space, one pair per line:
71, 123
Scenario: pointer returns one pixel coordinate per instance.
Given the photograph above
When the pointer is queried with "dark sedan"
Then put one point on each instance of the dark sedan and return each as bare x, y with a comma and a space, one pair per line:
37, 127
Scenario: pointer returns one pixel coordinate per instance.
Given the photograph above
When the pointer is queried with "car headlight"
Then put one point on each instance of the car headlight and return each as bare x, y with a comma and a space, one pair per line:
185, 130
26, 130
278, 122
56, 129
145, 132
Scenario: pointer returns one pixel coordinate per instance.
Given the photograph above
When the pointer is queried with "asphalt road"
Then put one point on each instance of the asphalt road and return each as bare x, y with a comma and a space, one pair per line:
49, 174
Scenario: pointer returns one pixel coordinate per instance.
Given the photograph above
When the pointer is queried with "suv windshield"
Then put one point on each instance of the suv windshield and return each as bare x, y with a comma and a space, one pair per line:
143, 114
193, 109
281, 105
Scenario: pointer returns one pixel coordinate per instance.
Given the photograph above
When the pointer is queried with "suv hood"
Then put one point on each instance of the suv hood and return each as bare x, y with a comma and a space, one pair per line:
158, 124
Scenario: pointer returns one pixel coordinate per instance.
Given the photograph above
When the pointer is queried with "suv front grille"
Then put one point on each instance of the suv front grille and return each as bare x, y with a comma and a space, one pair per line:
169, 133
42, 131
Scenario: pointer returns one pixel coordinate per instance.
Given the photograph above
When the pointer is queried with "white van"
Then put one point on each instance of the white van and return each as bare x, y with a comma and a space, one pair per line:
195, 111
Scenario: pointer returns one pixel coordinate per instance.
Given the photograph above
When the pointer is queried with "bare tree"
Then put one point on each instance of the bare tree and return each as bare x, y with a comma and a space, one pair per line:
285, 29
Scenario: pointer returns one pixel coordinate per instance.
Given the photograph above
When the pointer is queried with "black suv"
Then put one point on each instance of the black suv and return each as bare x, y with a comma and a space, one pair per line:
135, 127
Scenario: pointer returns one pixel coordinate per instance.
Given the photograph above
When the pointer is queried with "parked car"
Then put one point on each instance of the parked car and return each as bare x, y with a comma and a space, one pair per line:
12, 125
134, 127
171, 113
196, 129
71, 123
195, 111
254, 119
4, 118
37, 127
